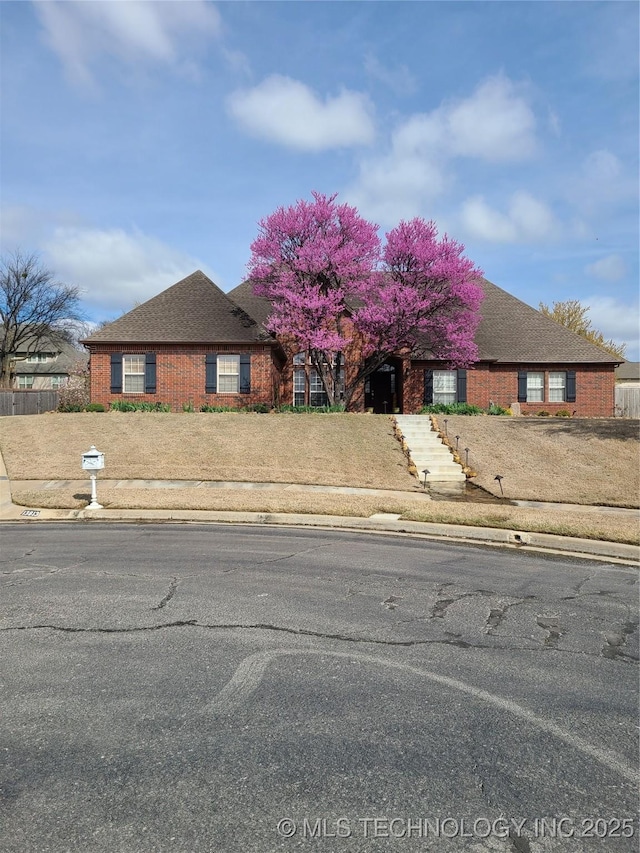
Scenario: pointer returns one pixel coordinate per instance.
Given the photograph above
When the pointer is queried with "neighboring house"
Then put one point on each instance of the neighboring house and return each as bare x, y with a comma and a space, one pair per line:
628, 389
194, 344
45, 365
628, 374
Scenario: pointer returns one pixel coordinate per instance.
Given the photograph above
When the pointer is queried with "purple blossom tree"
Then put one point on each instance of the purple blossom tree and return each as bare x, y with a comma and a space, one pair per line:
320, 262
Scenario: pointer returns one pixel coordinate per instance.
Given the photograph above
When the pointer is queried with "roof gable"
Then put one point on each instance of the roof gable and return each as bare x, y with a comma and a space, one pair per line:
194, 310
512, 331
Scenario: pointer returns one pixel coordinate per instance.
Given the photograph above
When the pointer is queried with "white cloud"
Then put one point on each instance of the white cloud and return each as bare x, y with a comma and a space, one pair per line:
133, 31
494, 124
616, 320
288, 112
602, 180
611, 268
114, 268
527, 220
399, 79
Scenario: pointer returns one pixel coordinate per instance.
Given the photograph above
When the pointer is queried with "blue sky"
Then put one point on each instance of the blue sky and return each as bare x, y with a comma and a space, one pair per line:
143, 140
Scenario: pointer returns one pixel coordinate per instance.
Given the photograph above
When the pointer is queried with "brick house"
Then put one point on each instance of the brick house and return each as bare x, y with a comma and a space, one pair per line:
194, 344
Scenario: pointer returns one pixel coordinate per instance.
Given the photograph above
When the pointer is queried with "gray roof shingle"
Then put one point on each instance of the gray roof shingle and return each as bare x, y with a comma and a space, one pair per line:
194, 310
511, 331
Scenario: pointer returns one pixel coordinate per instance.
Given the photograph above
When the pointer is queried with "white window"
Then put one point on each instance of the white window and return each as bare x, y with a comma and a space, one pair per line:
38, 358
58, 382
299, 386
133, 374
317, 394
25, 382
444, 386
228, 374
557, 387
307, 383
535, 387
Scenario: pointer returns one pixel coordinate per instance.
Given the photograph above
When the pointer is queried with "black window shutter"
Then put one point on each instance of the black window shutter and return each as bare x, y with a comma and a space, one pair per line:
116, 373
462, 387
245, 373
428, 387
571, 386
522, 386
150, 373
211, 369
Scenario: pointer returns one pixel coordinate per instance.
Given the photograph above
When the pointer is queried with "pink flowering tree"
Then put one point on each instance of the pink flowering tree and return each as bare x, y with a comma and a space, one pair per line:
319, 262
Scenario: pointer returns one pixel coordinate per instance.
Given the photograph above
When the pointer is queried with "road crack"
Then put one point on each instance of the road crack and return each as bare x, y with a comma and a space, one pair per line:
173, 585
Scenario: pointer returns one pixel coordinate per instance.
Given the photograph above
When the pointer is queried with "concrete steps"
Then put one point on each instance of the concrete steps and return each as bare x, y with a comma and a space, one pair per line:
427, 450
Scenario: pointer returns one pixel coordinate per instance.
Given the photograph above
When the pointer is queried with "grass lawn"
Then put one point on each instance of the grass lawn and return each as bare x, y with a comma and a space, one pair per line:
577, 461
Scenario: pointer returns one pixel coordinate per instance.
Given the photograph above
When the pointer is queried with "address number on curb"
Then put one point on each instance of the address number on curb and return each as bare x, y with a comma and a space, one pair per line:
31, 512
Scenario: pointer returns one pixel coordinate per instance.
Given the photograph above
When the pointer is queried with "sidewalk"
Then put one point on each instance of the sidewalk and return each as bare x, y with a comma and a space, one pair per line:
381, 523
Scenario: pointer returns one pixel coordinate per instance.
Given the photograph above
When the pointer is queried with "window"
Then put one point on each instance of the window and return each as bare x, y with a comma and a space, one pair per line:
535, 387
39, 357
133, 374
444, 386
228, 374
58, 382
25, 382
557, 387
307, 384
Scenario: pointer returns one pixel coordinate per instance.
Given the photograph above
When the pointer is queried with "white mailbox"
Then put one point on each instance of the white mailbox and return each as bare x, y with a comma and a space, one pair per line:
92, 460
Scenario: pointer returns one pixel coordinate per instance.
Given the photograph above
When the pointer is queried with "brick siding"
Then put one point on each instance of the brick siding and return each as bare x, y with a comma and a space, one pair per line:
180, 375
498, 383
180, 379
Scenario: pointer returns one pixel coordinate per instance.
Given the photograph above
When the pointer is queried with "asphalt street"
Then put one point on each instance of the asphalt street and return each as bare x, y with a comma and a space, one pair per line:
180, 688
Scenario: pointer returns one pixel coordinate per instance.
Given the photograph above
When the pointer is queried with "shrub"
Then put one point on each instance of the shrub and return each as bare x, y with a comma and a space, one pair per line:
494, 409
71, 405
260, 408
311, 410
141, 406
188, 407
94, 407
214, 409
451, 409
543, 413
563, 413
74, 396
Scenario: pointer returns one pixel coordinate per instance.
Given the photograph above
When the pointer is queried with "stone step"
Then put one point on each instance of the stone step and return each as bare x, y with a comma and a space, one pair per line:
428, 452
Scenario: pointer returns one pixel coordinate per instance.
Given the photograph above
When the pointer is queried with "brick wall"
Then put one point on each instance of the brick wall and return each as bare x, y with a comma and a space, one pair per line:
180, 375
498, 383
180, 379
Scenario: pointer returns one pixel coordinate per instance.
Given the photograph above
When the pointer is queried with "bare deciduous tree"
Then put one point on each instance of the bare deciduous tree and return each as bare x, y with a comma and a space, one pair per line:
34, 309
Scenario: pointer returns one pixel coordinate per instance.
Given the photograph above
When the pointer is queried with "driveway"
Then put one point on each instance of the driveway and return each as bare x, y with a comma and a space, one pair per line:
248, 690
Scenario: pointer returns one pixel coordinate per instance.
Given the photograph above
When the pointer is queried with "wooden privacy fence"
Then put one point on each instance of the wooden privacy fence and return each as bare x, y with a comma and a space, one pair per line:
627, 402
28, 402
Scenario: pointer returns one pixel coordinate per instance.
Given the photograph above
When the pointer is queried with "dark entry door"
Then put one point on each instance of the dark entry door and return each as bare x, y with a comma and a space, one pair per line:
380, 394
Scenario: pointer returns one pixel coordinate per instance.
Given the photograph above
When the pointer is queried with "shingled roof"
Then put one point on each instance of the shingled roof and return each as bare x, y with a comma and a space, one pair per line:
194, 310
257, 307
511, 331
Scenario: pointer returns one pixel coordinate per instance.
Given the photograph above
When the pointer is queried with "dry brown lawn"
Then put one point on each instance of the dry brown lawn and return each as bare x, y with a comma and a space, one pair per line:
328, 450
575, 461
582, 460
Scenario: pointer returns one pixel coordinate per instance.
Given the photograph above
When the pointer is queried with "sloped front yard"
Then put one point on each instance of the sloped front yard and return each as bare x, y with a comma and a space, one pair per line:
590, 462
584, 461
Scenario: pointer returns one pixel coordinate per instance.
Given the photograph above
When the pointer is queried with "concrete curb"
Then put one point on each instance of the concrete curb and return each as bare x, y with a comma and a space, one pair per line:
381, 523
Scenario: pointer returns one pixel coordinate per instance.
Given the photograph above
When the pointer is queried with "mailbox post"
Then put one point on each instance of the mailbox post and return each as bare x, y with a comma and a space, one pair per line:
93, 461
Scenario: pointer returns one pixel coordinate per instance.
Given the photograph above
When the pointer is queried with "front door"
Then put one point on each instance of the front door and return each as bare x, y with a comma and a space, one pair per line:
379, 390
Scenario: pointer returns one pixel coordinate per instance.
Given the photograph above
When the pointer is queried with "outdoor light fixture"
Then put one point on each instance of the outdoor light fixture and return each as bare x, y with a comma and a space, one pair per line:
457, 440
466, 456
446, 421
499, 478
425, 472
